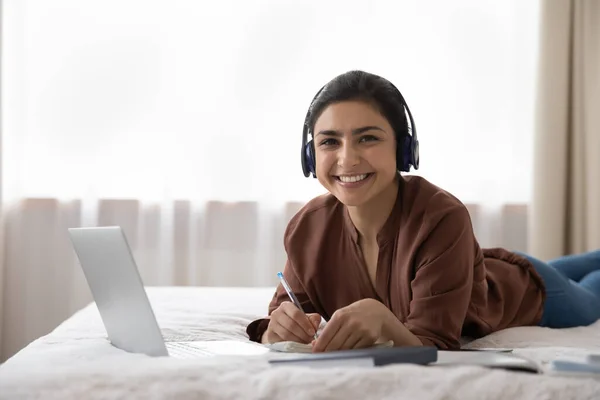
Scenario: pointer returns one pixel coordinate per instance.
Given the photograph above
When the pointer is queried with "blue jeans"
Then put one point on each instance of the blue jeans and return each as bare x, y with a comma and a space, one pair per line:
572, 289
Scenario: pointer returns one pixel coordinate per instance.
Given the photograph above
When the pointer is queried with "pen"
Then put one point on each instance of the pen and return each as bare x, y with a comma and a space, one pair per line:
291, 295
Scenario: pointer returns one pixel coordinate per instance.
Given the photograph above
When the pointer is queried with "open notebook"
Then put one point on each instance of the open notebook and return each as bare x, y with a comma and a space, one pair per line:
295, 347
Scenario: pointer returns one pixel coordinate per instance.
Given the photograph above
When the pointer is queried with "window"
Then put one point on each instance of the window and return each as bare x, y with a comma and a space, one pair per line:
205, 100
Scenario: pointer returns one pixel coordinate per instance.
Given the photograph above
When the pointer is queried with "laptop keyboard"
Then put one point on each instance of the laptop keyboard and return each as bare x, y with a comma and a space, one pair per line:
182, 350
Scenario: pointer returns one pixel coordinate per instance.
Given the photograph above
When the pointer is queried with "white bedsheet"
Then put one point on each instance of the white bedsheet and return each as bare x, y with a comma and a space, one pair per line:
76, 361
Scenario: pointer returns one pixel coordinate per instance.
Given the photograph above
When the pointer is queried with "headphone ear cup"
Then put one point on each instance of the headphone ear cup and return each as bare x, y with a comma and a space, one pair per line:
303, 159
406, 152
415, 153
400, 157
410, 154
310, 158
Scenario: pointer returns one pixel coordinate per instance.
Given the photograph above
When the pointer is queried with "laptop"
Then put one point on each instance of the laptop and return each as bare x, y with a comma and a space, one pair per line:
119, 293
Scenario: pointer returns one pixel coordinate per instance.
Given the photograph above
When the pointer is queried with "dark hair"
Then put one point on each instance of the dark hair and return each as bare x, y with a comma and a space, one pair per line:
363, 86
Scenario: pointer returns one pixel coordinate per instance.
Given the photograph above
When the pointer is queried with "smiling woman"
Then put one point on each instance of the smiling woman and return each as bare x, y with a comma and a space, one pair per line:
401, 250
176, 121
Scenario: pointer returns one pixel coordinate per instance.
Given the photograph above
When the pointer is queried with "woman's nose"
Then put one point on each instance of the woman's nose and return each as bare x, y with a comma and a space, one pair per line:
348, 156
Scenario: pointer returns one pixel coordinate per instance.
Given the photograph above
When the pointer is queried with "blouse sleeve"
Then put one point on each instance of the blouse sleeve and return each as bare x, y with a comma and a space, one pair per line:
441, 288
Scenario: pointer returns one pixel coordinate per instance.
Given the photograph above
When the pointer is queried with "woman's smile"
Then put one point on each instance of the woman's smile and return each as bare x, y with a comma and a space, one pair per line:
353, 181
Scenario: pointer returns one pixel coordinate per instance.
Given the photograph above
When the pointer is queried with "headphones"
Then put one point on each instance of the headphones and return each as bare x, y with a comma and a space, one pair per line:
407, 150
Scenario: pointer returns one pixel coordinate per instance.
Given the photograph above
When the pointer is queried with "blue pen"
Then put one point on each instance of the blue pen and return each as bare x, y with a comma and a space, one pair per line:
292, 296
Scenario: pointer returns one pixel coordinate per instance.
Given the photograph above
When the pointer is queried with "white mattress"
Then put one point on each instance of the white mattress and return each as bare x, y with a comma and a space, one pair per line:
76, 361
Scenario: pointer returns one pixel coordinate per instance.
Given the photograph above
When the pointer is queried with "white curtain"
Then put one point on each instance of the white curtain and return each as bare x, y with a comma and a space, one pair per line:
181, 122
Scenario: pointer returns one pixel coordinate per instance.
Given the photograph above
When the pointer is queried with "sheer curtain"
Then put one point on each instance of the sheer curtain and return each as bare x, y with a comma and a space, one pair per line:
181, 122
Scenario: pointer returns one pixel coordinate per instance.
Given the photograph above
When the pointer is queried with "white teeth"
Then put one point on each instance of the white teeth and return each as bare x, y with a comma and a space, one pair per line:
352, 178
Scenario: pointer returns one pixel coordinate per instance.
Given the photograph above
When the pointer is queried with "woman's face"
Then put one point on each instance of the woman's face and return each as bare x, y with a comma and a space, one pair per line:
355, 152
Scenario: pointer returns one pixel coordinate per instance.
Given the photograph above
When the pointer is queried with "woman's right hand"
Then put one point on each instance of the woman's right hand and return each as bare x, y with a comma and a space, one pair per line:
288, 323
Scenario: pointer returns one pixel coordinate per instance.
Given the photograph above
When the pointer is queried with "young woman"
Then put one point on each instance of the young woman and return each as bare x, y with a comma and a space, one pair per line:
390, 257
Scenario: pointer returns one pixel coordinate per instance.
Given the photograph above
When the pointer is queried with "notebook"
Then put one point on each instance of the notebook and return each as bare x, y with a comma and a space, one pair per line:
369, 357
295, 347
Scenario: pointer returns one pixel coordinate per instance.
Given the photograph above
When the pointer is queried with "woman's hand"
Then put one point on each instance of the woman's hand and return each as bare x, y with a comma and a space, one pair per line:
288, 323
361, 324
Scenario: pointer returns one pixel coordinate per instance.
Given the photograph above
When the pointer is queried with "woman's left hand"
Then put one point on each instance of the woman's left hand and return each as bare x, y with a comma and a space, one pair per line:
358, 325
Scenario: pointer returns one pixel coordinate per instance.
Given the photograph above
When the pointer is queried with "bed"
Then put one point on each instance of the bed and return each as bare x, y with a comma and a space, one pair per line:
75, 361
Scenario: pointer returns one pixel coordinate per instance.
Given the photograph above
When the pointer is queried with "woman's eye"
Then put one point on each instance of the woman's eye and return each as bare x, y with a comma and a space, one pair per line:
368, 138
328, 142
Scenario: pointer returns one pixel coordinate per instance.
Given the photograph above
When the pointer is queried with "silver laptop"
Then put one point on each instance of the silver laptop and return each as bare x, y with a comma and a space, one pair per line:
119, 293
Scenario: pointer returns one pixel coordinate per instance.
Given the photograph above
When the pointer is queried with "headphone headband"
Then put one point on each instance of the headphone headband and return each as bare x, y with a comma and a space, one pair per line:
407, 150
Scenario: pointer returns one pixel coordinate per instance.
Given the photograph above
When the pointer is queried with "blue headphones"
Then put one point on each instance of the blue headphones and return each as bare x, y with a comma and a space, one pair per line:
407, 151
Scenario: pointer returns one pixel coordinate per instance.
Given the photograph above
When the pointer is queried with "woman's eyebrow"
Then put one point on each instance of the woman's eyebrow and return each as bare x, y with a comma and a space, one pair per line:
357, 131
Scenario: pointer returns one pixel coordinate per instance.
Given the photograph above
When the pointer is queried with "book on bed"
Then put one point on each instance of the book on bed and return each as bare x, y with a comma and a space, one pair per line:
369, 357
295, 347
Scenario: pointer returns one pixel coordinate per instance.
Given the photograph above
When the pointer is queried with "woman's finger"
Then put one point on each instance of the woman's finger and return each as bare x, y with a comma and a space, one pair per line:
363, 342
335, 333
327, 335
289, 329
285, 335
339, 338
351, 341
272, 337
299, 317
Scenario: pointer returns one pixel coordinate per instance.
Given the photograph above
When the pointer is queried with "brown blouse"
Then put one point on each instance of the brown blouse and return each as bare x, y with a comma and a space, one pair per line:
431, 272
